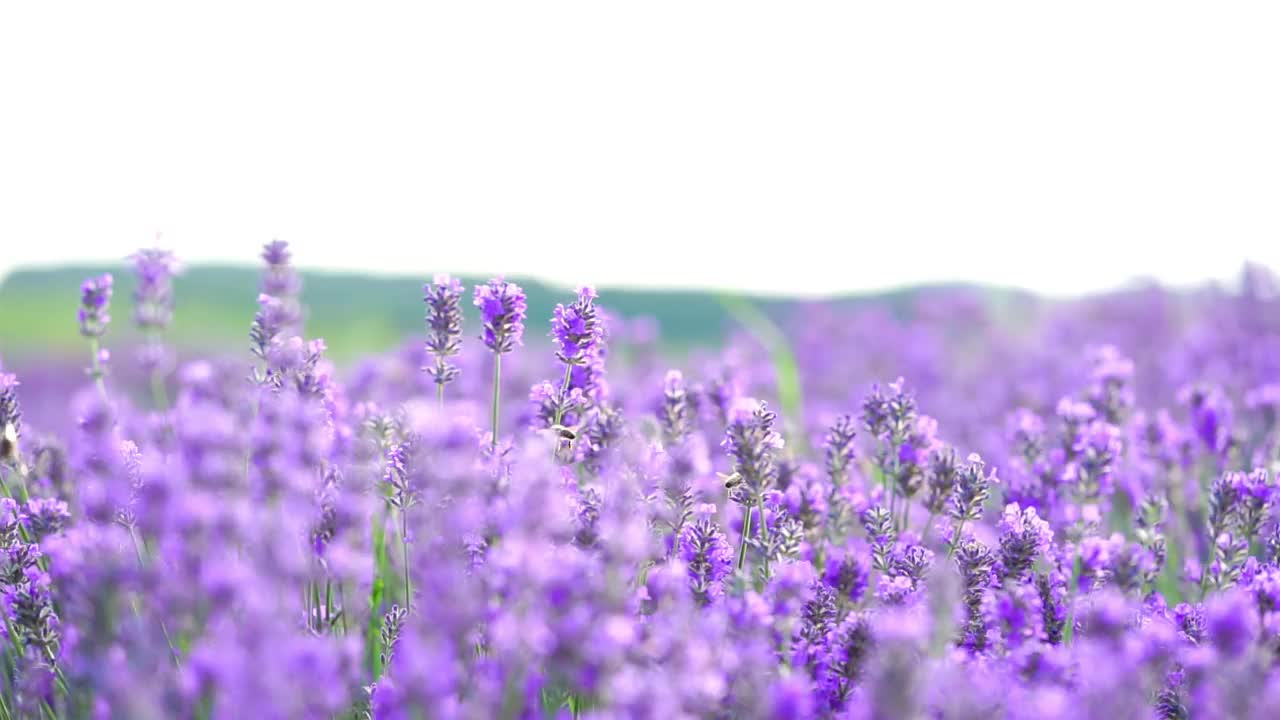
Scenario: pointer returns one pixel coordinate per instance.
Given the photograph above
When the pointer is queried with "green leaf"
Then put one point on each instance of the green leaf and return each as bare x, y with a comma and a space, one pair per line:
785, 366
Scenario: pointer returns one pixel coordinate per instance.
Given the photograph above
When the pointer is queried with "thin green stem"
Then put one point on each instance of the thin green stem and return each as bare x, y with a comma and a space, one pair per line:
746, 533
955, 538
315, 603
404, 547
1069, 631
377, 593
342, 599
95, 368
328, 605
764, 534
440, 394
159, 396
497, 389
137, 550
564, 392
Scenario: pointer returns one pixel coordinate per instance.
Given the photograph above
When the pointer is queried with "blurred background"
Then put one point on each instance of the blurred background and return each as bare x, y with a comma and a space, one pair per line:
669, 153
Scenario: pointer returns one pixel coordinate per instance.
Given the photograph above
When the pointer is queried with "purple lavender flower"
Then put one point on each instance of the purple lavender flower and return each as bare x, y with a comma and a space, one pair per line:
444, 320
838, 449
676, 410
576, 328
1210, 412
976, 564
1096, 450
1023, 538
1110, 392
270, 322
973, 485
95, 305
707, 554
940, 481
844, 658
885, 415
751, 442
154, 270
279, 279
846, 574
502, 311
45, 517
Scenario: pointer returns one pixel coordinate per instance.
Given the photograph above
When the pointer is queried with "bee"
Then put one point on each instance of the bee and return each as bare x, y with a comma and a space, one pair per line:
9, 442
731, 481
564, 433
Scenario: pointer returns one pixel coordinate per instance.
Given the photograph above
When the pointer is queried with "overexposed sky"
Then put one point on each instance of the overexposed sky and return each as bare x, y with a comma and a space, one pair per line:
783, 147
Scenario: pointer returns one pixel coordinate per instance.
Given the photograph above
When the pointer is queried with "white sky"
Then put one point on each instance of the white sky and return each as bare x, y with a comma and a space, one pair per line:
789, 147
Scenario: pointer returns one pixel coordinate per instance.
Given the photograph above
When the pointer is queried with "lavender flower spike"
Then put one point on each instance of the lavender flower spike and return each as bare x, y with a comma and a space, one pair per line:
973, 485
153, 297
750, 442
577, 332
94, 315
95, 305
576, 327
502, 311
279, 279
153, 311
706, 554
444, 320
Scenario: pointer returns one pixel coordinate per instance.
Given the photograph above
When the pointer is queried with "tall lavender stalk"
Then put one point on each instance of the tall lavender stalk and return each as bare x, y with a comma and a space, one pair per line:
973, 485
444, 320
577, 330
502, 312
95, 316
751, 441
154, 270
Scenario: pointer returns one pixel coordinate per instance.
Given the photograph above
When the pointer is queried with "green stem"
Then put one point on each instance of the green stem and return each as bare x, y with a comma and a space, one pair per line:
159, 396
1069, 630
137, 550
95, 369
342, 599
497, 388
764, 534
376, 594
315, 603
955, 538
328, 605
564, 392
746, 532
404, 548
440, 394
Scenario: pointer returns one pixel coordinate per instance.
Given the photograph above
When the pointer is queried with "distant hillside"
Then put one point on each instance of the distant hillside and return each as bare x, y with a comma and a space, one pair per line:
355, 314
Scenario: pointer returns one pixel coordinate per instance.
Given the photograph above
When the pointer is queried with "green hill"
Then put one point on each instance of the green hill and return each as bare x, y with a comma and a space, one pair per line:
354, 313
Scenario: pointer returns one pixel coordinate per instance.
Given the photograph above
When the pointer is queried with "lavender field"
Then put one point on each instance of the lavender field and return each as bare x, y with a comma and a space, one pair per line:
954, 509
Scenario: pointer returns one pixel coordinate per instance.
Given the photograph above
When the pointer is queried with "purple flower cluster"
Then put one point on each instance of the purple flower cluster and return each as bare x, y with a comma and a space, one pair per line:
502, 312
444, 323
1063, 535
95, 305
154, 270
